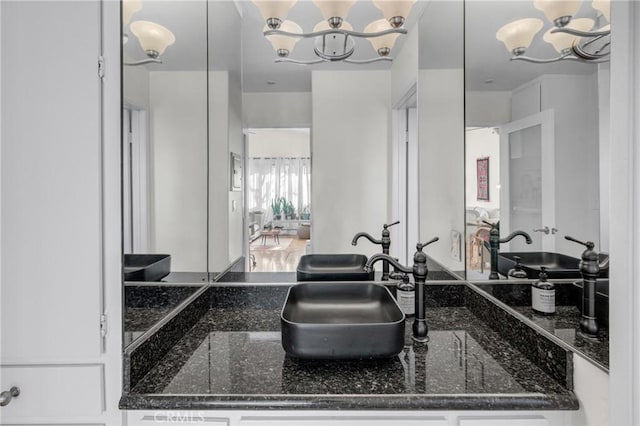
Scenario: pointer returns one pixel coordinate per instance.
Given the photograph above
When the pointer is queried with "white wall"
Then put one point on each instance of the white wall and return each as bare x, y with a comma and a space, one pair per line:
441, 133
350, 135
480, 143
178, 122
604, 101
404, 69
278, 143
286, 109
487, 108
135, 87
236, 145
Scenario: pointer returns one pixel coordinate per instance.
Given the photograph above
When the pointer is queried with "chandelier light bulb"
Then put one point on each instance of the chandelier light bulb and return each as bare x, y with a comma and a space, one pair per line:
518, 35
381, 44
154, 38
395, 11
274, 11
559, 12
283, 44
334, 11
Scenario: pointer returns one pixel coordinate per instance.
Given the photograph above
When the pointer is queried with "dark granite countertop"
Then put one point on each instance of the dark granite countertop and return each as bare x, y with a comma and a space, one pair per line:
231, 358
564, 324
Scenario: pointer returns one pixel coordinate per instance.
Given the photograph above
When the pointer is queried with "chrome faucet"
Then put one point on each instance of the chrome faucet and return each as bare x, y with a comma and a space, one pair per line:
385, 242
590, 270
419, 271
494, 245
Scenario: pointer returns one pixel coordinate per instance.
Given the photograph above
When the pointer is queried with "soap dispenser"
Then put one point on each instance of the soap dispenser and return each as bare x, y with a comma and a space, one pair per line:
543, 295
517, 271
406, 296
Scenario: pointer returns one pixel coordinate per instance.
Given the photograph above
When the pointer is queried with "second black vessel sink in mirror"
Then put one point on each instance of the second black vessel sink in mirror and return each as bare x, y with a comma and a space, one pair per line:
146, 267
559, 266
333, 267
341, 321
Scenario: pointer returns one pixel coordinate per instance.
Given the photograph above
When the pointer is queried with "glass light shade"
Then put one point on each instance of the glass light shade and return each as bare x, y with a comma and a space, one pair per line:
393, 8
274, 8
153, 37
129, 7
334, 8
554, 9
381, 42
562, 41
283, 42
604, 7
519, 34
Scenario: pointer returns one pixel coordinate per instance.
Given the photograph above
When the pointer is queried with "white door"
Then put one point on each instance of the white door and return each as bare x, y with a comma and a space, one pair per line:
53, 272
527, 181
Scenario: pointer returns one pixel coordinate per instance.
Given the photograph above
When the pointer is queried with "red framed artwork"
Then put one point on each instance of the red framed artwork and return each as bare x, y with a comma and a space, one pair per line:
482, 175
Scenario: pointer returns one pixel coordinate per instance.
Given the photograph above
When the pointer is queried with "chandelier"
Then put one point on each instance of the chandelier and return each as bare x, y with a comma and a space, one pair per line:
573, 39
154, 38
334, 36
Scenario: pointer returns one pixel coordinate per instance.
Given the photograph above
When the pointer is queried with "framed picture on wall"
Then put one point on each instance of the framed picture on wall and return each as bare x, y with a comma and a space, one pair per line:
482, 175
236, 172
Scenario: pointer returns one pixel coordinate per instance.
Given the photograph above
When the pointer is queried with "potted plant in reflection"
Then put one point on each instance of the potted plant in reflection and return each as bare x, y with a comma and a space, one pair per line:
289, 210
276, 208
305, 214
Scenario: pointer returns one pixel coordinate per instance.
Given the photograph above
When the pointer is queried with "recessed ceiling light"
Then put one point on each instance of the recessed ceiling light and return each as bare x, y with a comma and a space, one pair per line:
271, 82
488, 81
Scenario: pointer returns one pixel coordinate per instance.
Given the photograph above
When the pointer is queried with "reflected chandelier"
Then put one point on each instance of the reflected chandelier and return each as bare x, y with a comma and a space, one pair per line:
334, 37
573, 39
154, 38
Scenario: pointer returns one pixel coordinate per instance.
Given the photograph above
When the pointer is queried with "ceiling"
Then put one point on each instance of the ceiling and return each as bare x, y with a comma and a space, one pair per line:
441, 38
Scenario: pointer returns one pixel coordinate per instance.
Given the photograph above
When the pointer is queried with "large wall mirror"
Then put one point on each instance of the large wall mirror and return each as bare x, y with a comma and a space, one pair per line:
536, 141
182, 131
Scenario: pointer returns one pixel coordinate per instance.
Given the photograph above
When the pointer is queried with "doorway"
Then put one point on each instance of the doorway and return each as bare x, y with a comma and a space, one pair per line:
278, 191
406, 179
135, 181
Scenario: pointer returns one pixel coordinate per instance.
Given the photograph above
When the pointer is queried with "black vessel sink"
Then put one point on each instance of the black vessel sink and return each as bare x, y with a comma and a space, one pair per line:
146, 267
333, 267
341, 321
559, 266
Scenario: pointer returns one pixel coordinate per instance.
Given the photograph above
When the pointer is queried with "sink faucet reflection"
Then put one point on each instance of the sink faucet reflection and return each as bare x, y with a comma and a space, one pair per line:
385, 242
419, 271
494, 245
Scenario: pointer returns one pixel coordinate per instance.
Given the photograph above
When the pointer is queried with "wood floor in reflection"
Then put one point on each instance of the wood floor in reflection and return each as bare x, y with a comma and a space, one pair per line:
282, 257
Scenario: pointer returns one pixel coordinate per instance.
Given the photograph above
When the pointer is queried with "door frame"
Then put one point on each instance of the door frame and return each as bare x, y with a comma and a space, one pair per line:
546, 121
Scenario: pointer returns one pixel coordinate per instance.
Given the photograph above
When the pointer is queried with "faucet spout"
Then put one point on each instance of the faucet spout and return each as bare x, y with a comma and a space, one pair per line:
385, 257
514, 234
367, 236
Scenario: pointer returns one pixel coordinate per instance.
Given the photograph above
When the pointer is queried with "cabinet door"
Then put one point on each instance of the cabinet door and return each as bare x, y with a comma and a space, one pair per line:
51, 216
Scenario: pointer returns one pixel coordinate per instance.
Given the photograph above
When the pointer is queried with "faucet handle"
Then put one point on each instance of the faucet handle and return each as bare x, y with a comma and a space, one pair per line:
589, 244
385, 226
420, 246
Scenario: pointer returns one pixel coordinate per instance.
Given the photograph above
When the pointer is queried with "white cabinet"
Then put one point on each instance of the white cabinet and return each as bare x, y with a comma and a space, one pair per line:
350, 418
53, 211
591, 386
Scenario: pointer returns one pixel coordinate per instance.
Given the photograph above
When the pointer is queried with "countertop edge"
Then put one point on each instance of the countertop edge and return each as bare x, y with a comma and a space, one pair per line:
488, 402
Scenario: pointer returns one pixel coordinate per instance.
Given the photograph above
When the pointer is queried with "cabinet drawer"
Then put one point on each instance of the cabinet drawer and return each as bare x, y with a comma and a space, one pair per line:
504, 421
54, 391
174, 417
344, 421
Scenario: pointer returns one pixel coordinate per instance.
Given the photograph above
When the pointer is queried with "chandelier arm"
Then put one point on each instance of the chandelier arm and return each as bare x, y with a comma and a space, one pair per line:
593, 40
579, 33
368, 61
142, 62
298, 62
539, 61
586, 56
336, 31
